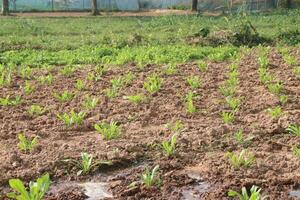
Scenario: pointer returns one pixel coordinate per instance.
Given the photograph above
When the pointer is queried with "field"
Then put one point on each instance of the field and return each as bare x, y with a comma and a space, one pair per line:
207, 104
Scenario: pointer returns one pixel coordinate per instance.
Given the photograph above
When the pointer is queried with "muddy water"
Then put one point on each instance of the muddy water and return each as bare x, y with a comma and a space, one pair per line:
295, 194
95, 190
194, 192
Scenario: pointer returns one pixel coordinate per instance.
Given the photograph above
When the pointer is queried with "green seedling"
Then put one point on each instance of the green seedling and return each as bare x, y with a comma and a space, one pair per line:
202, 66
72, 118
275, 112
67, 71
65, 96
127, 78
190, 108
296, 151
26, 144
175, 127
46, 80
264, 76
5, 77
136, 99
294, 129
37, 189
243, 159
263, 62
153, 83
228, 117
111, 92
275, 88
90, 102
194, 82
170, 145
28, 88
108, 131
233, 103
80, 85
151, 178
290, 60
254, 194
227, 90
26, 72
99, 72
36, 110
296, 71
239, 136
171, 69
86, 164
283, 99
7, 101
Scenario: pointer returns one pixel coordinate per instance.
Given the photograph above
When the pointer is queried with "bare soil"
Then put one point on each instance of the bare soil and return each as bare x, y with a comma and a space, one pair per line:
202, 144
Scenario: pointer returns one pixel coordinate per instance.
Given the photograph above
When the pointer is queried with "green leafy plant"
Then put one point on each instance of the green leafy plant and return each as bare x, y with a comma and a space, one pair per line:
233, 103
86, 163
296, 71
194, 82
90, 102
46, 80
26, 72
72, 118
111, 92
26, 144
275, 112
228, 117
243, 159
108, 131
137, 99
99, 71
254, 194
7, 101
264, 76
80, 85
5, 76
263, 61
170, 145
275, 88
153, 83
171, 69
37, 189
294, 129
296, 151
65, 96
283, 99
190, 108
36, 110
175, 127
227, 90
28, 88
202, 66
67, 70
151, 178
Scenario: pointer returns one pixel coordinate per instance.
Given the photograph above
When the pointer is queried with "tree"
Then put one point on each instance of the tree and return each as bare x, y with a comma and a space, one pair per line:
194, 5
5, 7
94, 8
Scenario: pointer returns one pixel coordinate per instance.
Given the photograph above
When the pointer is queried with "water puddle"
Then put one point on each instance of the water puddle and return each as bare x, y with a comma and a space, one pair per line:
95, 190
295, 194
194, 192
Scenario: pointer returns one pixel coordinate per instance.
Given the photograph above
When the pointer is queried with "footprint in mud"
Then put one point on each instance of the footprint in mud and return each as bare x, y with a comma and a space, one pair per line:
295, 194
95, 190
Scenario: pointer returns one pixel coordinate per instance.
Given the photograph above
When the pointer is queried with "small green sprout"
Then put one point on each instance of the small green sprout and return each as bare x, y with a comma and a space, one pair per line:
26, 144
111, 92
227, 90
243, 159
136, 99
189, 103
275, 112
296, 71
296, 151
294, 129
151, 178
171, 69
36, 110
72, 118
46, 80
90, 102
80, 85
233, 103
175, 127
7, 101
86, 163
153, 83
108, 131
170, 145
283, 99
28, 88
67, 70
275, 88
26, 72
254, 194
65, 96
228, 117
37, 189
194, 82
5, 77
202, 66
263, 62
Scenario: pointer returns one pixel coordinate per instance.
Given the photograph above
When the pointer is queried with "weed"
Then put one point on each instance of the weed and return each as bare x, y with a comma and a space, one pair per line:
233, 103
294, 129
65, 96
36, 110
108, 131
72, 118
37, 189
46, 80
137, 99
243, 159
80, 85
151, 178
189, 103
170, 145
228, 117
86, 163
275, 112
275, 88
254, 194
7, 101
202, 66
153, 83
26, 144
28, 88
90, 103
194, 82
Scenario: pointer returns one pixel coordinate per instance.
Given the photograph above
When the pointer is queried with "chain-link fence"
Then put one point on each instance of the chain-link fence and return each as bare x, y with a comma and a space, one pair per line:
136, 5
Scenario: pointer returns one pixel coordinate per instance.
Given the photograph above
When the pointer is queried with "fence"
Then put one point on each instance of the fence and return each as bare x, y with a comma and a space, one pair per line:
134, 5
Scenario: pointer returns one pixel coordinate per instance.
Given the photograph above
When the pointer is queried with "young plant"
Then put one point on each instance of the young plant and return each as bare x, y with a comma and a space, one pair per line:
153, 83
170, 145
171, 69
296, 151
175, 127
263, 61
46, 80
275, 112
296, 71
90, 103
239, 136
264, 76
86, 163
7, 101
294, 129
228, 117
275, 88
233, 103
202, 66
26, 144
243, 159
283, 99
28, 89
111, 92
26, 72
67, 71
151, 178
194, 82
190, 108
108, 131
5, 77
36, 110
72, 118
227, 90
37, 189
254, 194
80, 85
65, 96
99, 72
136, 99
